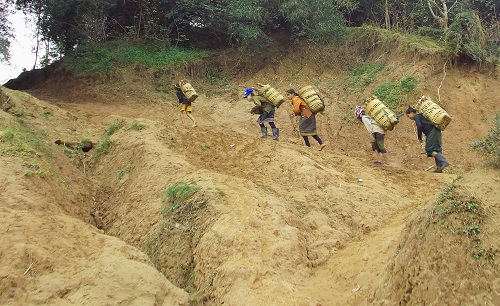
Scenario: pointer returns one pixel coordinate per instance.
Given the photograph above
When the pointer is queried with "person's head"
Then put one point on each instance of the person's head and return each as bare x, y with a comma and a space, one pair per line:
248, 92
359, 112
290, 93
410, 112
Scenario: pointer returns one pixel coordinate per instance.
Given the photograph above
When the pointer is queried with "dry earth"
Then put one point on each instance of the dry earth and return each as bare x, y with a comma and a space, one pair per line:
273, 223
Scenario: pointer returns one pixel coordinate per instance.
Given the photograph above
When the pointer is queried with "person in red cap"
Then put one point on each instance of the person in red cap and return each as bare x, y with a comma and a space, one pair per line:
265, 109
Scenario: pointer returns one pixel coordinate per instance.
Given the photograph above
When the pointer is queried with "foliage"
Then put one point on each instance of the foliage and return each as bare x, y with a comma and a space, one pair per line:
211, 77
364, 74
24, 141
178, 196
459, 211
102, 148
431, 32
29, 144
466, 35
120, 173
394, 93
320, 21
5, 32
489, 146
179, 231
102, 58
114, 127
137, 126
71, 24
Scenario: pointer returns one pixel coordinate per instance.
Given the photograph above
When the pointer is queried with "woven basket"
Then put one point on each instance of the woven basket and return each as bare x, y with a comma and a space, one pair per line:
270, 94
433, 112
312, 99
188, 90
380, 113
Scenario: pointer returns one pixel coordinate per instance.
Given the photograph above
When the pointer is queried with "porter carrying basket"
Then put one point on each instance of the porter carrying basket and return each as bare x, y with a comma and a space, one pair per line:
433, 112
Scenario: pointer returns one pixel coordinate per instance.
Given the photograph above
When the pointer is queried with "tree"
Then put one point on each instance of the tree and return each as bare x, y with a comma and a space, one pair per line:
5, 32
440, 11
319, 20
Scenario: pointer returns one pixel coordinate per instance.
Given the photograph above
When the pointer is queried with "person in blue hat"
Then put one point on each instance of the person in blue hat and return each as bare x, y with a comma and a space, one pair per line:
265, 109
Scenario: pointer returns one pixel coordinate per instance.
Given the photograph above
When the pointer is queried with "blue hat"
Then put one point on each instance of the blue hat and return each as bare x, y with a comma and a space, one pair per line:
248, 92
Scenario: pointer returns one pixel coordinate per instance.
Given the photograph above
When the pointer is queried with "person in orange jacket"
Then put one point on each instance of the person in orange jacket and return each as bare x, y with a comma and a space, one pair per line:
307, 121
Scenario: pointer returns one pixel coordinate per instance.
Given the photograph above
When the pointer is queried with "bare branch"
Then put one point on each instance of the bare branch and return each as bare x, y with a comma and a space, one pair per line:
453, 5
430, 8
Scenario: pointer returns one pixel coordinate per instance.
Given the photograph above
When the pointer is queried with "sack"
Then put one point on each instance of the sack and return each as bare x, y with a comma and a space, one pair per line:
376, 109
188, 90
271, 94
433, 112
312, 99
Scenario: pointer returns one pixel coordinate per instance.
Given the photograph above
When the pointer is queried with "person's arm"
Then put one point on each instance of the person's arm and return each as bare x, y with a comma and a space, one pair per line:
257, 100
296, 105
418, 123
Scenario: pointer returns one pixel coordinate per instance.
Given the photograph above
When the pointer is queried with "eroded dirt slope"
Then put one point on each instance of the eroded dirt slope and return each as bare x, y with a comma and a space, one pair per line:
278, 223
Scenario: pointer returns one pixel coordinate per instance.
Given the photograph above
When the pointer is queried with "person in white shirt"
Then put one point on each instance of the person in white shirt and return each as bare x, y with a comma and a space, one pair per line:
377, 134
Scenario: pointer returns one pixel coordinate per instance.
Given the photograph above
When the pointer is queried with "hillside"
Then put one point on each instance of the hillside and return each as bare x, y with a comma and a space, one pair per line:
269, 222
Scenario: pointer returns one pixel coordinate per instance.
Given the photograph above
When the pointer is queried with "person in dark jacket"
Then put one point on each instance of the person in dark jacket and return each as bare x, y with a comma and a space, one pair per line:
433, 145
185, 105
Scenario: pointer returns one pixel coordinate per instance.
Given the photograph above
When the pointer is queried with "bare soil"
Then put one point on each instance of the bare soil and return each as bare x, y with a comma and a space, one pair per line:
274, 222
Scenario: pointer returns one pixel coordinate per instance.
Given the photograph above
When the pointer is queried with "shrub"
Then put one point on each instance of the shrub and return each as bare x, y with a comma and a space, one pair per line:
489, 147
364, 74
178, 196
394, 93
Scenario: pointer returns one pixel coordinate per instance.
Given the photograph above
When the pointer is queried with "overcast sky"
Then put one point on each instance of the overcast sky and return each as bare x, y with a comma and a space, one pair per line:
21, 48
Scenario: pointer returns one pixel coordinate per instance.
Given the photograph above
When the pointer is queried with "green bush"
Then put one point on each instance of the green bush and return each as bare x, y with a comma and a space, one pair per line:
364, 74
114, 127
179, 195
394, 93
466, 35
100, 59
431, 32
489, 146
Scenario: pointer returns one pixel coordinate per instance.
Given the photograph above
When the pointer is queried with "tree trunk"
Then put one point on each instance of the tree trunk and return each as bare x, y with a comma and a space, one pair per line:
387, 21
441, 13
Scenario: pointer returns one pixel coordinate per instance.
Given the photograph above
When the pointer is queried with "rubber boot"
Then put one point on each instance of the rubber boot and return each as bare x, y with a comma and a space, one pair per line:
441, 162
276, 134
436, 160
264, 131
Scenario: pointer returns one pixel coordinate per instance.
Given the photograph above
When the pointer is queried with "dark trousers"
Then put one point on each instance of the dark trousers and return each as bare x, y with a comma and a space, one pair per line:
306, 140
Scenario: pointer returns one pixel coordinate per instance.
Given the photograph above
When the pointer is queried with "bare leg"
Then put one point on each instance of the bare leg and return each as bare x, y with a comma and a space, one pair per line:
385, 159
182, 118
192, 118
